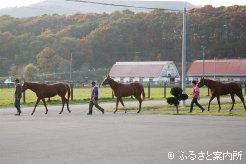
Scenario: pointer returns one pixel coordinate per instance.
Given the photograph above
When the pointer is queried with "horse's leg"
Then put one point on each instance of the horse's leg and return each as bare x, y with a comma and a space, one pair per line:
117, 103
35, 105
140, 103
242, 99
213, 96
121, 101
68, 106
233, 101
218, 99
63, 103
45, 105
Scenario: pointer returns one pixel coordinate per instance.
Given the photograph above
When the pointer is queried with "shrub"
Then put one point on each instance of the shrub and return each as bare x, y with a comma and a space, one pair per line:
177, 92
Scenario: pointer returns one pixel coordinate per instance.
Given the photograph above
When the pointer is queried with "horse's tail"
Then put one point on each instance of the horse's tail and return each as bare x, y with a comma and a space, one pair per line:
237, 88
68, 91
240, 89
143, 94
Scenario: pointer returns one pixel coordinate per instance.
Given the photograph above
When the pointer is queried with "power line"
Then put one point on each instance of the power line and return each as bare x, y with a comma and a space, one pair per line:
43, 8
120, 5
68, 10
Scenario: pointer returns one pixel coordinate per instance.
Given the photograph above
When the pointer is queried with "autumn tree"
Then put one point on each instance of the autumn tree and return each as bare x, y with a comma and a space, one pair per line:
48, 60
99, 40
30, 72
13, 70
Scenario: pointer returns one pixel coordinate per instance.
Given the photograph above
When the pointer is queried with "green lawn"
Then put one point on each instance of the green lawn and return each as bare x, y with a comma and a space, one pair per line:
82, 95
225, 107
171, 110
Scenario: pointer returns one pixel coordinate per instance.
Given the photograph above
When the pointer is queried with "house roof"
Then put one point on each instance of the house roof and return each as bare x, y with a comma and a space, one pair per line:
138, 69
232, 67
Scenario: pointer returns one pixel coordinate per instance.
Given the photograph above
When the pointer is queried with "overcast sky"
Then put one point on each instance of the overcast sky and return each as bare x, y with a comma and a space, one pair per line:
215, 3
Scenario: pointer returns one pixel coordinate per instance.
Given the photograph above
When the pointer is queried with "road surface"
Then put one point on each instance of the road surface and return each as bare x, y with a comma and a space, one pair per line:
75, 138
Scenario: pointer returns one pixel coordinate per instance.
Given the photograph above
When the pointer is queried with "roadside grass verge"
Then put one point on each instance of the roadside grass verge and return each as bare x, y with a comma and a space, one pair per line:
171, 110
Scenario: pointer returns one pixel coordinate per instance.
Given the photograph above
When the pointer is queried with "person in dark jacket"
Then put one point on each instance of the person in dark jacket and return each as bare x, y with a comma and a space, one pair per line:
17, 96
94, 99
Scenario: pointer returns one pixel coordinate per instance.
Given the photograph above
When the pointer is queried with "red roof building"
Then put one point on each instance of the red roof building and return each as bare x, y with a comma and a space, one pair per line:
223, 70
144, 71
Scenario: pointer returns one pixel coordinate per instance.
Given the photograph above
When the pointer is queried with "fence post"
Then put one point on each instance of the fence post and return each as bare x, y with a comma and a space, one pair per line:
165, 89
148, 89
71, 86
24, 97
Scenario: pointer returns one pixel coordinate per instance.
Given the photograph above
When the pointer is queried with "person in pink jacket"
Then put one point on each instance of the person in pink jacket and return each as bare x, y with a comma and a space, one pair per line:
195, 96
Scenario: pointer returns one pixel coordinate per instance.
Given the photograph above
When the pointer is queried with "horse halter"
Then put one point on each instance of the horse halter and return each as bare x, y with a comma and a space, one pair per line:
24, 87
203, 82
105, 81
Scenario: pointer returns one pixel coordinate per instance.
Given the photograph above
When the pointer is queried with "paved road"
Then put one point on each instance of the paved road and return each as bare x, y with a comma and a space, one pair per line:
130, 138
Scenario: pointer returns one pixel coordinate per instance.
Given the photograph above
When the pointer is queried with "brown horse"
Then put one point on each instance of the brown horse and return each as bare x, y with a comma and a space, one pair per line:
124, 90
217, 88
48, 90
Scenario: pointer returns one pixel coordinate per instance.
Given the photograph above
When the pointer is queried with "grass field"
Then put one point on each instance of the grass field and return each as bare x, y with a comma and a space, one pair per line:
171, 110
82, 95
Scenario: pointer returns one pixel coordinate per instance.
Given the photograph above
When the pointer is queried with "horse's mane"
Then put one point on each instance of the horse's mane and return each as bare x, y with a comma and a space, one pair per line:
40, 84
33, 83
210, 80
114, 84
36, 84
214, 81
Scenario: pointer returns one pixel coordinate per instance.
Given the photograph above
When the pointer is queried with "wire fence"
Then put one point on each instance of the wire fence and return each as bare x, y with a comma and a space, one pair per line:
151, 89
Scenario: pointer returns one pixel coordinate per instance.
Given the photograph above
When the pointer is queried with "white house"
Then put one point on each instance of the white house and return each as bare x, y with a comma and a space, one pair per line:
144, 72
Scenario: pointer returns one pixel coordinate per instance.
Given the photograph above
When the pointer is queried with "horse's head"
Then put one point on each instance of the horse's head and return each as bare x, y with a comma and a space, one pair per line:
106, 80
201, 82
24, 86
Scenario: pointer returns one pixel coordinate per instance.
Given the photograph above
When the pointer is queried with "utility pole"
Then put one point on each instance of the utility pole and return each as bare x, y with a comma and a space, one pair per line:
71, 62
203, 60
214, 67
184, 54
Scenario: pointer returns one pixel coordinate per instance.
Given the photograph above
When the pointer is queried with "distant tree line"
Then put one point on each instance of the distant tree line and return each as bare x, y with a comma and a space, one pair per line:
97, 41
